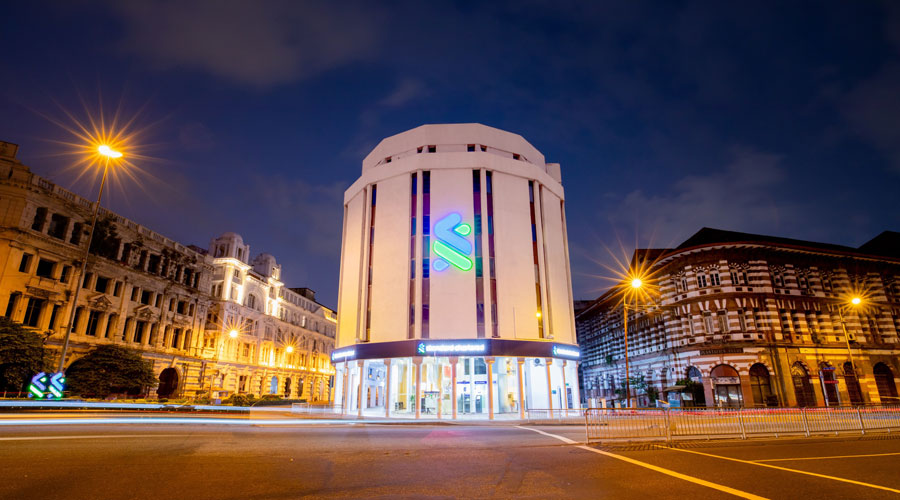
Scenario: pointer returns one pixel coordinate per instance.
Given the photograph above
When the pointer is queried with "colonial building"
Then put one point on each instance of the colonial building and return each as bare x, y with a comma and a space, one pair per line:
145, 291
268, 339
745, 319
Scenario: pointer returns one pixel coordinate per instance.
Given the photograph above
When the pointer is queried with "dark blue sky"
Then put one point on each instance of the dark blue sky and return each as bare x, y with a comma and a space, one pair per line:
780, 118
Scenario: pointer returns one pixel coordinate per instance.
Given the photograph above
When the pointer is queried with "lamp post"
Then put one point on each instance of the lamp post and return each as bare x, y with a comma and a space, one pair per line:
636, 284
854, 302
108, 154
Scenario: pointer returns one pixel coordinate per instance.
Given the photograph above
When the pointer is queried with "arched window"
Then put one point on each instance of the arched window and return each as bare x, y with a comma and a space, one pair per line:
761, 385
852, 384
802, 387
693, 394
829, 384
726, 386
252, 302
884, 380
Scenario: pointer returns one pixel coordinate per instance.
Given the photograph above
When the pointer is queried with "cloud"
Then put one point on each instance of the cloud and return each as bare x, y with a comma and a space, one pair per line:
742, 196
872, 106
196, 136
254, 44
873, 110
307, 216
407, 90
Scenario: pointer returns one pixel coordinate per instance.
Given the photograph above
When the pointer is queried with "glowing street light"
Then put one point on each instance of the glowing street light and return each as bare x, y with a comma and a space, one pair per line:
289, 349
233, 334
856, 301
110, 154
636, 283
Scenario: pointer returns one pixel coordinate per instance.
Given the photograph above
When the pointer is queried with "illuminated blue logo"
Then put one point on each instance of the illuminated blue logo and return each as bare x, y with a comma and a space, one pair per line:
421, 349
46, 386
450, 244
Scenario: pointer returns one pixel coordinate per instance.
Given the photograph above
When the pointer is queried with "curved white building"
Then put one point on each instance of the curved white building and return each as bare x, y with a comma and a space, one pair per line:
455, 289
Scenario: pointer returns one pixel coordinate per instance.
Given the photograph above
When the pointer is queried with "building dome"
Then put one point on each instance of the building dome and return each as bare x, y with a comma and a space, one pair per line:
454, 243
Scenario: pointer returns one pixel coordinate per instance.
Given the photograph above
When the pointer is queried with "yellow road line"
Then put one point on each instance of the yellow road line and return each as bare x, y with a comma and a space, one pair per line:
685, 477
825, 458
87, 436
824, 476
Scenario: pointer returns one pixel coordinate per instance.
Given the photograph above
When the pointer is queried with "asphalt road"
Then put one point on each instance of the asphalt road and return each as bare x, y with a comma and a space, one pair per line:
425, 461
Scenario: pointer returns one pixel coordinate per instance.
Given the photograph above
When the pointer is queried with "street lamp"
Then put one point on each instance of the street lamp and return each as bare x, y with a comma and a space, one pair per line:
854, 302
289, 349
636, 284
107, 153
233, 334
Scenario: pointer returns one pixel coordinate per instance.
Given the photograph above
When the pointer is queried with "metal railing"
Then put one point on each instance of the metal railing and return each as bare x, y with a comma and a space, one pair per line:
556, 415
668, 425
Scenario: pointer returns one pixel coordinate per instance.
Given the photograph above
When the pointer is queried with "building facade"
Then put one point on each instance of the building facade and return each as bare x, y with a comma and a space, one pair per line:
267, 338
455, 293
147, 292
750, 320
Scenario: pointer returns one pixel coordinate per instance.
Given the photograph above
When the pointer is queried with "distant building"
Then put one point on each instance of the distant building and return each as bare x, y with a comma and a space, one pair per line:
745, 319
147, 292
455, 293
270, 339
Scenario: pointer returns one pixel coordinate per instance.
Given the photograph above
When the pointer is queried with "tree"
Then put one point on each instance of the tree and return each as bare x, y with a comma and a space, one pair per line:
110, 369
22, 355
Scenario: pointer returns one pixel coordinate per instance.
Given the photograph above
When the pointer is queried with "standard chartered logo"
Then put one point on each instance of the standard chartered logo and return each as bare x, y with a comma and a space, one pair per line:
450, 243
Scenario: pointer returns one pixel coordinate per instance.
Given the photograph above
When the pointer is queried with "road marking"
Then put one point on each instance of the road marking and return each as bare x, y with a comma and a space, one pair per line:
86, 436
841, 479
825, 458
695, 480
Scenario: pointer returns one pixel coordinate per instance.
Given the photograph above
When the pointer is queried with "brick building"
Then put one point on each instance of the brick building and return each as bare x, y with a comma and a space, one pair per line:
745, 319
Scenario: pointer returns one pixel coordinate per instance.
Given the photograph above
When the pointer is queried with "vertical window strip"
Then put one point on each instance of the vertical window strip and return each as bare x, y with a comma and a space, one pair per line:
412, 258
369, 272
489, 188
426, 250
537, 274
479, 265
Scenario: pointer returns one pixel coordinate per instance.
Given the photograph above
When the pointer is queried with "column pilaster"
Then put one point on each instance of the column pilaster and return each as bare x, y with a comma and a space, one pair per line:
520, 365
387, 389
490, 384
453, 362
549, 387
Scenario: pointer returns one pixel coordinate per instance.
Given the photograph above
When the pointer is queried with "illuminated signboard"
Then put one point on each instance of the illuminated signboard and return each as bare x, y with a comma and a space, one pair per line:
425, 348
44, 386
349, 353
565, 352
450, 243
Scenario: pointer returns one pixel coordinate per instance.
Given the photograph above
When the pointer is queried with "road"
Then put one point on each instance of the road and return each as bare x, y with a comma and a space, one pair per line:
341, 460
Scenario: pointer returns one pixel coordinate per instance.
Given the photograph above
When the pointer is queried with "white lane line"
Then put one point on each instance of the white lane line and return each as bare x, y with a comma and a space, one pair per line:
824, 476
825, 458
668, 472
87, 436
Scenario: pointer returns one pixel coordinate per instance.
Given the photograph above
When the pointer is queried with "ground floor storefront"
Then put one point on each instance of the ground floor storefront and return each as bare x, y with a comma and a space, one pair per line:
758, 376
188, 377
455, 386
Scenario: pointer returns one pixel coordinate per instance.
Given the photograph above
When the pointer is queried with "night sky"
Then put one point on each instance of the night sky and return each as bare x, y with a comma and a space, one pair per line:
779, 118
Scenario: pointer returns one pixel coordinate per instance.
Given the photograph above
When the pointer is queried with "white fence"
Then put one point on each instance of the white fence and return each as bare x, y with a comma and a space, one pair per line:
717, 423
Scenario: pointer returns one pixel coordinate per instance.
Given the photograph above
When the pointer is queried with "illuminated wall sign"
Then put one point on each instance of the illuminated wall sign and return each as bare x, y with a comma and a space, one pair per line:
566, 352
450, 244
45, 386
349, 353
425, 348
